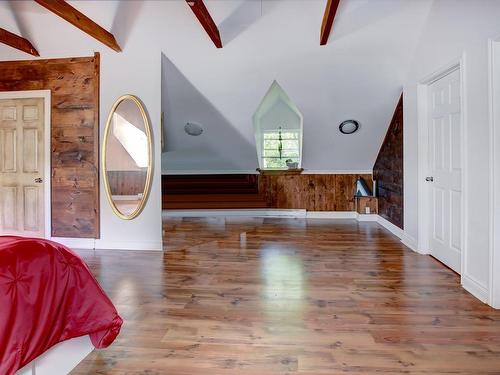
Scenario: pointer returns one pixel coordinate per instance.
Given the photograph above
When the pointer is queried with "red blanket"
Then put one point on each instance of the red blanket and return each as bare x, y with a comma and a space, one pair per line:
48, 295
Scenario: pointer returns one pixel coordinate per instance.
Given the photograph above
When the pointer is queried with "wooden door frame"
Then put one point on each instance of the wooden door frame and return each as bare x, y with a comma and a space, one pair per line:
494, 115
424, 204
45, 94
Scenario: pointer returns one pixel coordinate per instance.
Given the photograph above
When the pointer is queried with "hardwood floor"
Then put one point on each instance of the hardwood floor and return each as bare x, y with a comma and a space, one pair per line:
289, 296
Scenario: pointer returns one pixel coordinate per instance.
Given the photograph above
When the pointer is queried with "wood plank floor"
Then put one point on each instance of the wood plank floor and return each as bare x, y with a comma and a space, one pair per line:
289, 296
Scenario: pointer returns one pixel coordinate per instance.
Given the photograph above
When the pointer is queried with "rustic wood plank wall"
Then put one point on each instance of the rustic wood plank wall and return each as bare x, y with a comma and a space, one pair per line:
313, 192
388, 170
74, 86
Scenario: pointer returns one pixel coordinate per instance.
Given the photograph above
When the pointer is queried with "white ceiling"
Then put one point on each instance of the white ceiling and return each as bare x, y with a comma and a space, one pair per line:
359, 74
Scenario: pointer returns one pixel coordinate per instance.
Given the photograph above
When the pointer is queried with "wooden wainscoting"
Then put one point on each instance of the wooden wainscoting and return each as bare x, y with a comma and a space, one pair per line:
313, 192
388, 170
74, 86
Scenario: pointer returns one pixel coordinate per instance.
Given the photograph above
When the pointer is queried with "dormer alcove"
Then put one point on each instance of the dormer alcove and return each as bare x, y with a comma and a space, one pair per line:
278, 127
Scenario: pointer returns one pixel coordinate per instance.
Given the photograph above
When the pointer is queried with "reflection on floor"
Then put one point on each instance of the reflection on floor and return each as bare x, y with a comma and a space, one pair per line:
289, 296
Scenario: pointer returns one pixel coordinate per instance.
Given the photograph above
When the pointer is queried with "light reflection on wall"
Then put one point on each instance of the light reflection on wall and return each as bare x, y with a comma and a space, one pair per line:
284, 283
132, 139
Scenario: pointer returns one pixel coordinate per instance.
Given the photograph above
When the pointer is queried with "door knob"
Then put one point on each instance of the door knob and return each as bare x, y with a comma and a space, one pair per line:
430, 179
38, 180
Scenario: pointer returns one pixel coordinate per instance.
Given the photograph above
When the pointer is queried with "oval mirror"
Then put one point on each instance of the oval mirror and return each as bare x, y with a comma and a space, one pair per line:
127, 157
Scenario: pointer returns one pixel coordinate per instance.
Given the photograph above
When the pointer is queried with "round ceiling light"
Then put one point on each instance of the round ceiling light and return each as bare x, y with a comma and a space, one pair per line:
193, 129
349, 127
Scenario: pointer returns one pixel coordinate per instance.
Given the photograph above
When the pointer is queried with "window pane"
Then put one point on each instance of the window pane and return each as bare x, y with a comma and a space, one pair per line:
274, 153
289, 148
292, 145
272, 135
271, 144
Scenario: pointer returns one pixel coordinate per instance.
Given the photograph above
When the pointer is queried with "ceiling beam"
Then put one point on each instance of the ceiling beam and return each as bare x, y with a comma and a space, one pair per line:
17, 42
80, 20
201, 12
328, 17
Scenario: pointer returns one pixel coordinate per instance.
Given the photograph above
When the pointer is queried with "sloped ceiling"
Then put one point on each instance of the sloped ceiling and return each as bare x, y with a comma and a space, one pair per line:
358, 74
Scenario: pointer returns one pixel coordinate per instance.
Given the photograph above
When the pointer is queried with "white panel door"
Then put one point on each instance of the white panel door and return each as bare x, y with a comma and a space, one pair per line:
445, 170
22, 167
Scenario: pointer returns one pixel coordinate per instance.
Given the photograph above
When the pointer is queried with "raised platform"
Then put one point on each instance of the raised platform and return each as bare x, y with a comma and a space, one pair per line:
226, 191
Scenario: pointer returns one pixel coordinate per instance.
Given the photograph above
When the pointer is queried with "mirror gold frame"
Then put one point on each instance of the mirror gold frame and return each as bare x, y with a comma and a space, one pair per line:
149, 173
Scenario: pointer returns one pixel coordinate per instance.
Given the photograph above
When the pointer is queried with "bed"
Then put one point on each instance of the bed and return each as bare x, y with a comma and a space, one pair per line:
50, 304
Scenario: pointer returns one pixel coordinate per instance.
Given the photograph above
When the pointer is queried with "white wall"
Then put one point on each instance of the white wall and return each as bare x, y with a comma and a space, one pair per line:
359, 74
457, 28
134, 71
137, 70
495, 175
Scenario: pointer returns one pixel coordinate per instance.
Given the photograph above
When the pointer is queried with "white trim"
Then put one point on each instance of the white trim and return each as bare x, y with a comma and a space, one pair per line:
75, 243
368, 217
128, 245
47, 128
235, 212
494, 97
397, 231
172, 172
337, 171
60, 359
331, 215
458, 63
475, 288
180, 172
100, 244
411, 243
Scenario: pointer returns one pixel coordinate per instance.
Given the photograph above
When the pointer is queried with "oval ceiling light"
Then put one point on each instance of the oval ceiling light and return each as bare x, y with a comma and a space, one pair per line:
193, 129
349, 127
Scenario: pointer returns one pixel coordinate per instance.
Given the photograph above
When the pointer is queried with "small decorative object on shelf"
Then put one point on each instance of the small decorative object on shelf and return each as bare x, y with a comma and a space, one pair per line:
292, 164
362, 189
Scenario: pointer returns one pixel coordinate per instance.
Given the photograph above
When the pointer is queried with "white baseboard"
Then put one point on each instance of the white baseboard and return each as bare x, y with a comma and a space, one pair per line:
476, 289
128, 245
397, 231
406, 239
367, 217
75, 243
411, 243
331, 215
236, 212
100, 244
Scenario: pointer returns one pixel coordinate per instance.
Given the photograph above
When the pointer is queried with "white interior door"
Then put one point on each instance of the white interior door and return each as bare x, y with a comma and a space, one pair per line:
445, 170
22, 167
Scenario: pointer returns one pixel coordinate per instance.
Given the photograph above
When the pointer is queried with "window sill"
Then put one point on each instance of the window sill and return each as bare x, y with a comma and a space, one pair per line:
279, 172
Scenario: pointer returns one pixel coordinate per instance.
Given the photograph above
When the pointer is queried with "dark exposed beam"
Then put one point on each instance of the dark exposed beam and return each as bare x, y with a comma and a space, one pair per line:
80, 20
17, 42
201, 12
328, 17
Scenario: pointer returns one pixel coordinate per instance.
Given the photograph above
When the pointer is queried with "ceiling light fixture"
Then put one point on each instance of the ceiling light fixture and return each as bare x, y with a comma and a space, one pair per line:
349, 127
